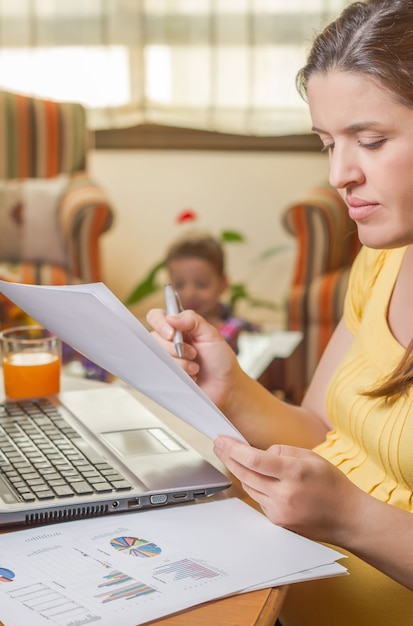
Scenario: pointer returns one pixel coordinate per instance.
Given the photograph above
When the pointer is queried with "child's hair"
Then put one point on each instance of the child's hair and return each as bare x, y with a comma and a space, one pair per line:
198, 246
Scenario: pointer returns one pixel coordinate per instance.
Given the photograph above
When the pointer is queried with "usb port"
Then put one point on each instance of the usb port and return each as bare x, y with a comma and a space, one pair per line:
199, 494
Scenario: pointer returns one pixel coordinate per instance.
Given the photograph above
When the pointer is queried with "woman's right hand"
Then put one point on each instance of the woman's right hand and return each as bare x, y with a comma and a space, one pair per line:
207, 357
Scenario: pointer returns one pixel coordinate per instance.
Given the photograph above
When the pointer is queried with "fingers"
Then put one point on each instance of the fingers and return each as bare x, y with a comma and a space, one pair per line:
188, 322
296, 488
157, 318
279, 461
164, 333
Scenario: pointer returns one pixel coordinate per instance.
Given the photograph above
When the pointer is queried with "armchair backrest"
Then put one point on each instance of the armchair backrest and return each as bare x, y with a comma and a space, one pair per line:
45, 188
40, 138
327, 243
326, 236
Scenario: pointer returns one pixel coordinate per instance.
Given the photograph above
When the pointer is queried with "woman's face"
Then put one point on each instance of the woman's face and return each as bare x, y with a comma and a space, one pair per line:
369, 138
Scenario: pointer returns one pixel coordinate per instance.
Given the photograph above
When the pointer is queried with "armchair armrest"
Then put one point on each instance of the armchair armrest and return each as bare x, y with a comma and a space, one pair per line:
85, 213
317, 311
326, 236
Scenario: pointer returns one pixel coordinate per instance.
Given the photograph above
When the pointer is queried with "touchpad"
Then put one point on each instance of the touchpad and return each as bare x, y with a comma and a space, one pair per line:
142, 441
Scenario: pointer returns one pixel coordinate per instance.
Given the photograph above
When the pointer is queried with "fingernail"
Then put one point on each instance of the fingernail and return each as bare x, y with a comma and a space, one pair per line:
217, 447
167, 332
193, 368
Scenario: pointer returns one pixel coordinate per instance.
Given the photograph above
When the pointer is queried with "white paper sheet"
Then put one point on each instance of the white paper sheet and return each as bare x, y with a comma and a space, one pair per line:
95, 323
133, 568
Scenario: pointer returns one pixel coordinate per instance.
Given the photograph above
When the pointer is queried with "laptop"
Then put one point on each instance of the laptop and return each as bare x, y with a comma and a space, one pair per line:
93, 452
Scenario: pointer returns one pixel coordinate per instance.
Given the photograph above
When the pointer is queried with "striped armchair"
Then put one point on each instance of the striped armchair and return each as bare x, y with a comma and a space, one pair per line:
51, 213
327, 244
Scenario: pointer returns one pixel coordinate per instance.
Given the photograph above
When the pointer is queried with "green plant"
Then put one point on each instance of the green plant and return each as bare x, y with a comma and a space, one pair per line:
150, 284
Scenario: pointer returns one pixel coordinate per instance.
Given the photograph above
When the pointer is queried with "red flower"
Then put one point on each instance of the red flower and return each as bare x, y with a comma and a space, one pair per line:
187, 215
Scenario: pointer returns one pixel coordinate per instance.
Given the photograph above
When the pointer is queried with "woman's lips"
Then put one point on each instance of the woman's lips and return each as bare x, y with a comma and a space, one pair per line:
361, 209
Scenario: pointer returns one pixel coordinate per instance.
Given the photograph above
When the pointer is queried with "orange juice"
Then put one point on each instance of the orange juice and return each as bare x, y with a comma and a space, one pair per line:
31, 374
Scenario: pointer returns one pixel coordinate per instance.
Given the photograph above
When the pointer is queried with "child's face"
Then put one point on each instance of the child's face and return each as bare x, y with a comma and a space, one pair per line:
198, 283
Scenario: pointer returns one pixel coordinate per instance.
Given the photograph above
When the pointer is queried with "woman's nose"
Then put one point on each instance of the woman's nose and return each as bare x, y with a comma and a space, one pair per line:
344, 170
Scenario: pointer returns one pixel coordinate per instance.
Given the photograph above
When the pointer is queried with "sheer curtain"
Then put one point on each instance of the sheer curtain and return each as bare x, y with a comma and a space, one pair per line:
221, 65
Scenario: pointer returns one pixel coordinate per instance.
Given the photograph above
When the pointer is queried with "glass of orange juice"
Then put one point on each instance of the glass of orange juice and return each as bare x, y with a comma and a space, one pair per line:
31, 360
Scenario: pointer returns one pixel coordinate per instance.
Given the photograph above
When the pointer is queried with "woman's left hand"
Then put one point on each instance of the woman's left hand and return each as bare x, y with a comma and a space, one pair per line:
296, 489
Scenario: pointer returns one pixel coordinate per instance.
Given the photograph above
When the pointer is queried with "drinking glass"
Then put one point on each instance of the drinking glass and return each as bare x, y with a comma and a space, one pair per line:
31, 360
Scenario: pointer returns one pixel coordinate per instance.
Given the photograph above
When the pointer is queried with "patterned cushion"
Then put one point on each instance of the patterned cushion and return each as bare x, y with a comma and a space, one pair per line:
29, 220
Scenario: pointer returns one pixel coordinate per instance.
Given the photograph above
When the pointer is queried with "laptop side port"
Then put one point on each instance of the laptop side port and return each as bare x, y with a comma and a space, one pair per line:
180, 496
199, 494
115, 504
134, 504
159, 498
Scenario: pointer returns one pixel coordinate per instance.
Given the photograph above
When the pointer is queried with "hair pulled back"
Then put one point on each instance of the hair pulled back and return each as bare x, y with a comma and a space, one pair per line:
373, 38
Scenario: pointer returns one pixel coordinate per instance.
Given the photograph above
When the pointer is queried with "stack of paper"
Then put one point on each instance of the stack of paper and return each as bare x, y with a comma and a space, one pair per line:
95, 323
133, 568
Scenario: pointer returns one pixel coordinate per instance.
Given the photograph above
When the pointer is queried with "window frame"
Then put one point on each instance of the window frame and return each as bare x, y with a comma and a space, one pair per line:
161, 137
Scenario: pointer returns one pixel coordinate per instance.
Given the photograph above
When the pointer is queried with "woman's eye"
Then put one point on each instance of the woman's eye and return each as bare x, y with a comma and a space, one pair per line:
328, 147
372, 145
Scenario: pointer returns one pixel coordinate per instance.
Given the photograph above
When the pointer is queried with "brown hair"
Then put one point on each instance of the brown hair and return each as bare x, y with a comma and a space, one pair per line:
198, 246
375, 39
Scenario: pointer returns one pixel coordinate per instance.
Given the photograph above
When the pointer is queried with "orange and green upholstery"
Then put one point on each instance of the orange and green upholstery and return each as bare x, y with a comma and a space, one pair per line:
52, 213
327, 244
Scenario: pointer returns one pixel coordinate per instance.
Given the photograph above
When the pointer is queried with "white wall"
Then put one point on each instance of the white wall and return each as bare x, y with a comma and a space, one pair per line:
246, 191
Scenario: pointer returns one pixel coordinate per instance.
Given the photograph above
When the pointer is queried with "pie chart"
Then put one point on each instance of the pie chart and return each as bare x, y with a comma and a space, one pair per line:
135, 547
6, 575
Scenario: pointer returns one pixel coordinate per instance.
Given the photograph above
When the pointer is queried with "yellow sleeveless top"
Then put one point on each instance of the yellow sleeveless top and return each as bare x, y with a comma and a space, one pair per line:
372, 443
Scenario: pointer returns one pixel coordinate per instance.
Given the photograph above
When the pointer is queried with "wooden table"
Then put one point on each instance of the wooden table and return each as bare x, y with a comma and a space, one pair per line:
256, 608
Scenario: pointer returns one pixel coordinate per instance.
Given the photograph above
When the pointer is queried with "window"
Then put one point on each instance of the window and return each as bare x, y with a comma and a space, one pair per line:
223, 66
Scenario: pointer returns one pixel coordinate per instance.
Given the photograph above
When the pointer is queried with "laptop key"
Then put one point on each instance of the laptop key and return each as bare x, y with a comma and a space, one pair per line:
28, 497
82, 488
86, 449
102, 487
56, 482
45, 495
120, 485
63, 491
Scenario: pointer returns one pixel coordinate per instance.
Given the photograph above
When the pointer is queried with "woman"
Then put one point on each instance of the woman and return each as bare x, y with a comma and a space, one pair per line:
339, 469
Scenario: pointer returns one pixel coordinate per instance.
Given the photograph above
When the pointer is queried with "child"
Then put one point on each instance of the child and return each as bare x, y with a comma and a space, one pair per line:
196, 266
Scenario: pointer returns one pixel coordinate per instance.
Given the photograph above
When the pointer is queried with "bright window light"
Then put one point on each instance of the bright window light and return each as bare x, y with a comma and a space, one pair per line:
96, 76
159, 85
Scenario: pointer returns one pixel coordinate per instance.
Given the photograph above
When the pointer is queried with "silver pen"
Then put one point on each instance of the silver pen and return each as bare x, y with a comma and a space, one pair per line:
173, 306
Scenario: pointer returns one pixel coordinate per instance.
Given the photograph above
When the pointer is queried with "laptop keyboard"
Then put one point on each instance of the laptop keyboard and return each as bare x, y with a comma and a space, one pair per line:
44, 458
